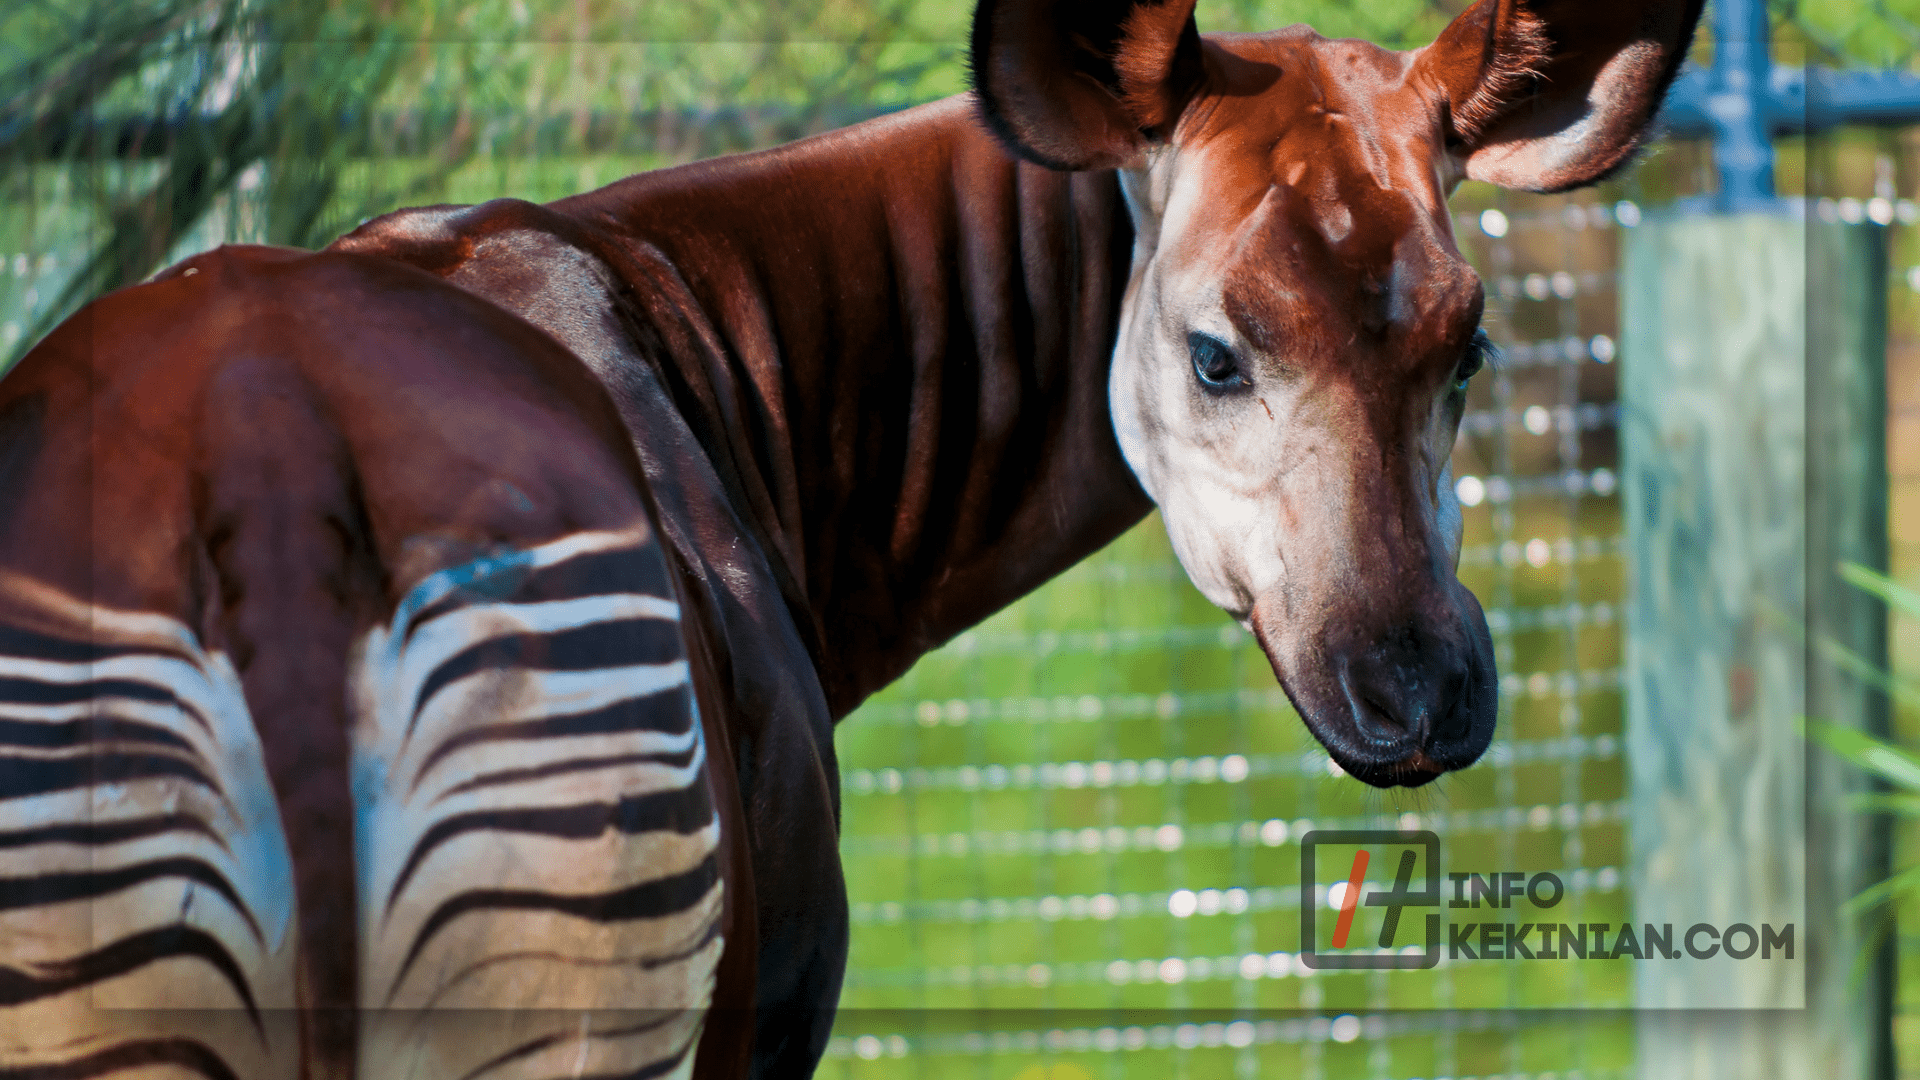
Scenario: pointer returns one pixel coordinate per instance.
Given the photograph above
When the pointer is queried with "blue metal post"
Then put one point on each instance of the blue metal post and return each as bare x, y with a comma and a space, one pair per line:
1739, 103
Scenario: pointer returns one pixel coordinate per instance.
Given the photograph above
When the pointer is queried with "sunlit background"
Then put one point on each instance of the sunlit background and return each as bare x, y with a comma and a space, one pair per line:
1071, 835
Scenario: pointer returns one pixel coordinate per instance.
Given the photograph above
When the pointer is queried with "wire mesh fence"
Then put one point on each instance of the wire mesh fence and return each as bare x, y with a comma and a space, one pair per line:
1071, 836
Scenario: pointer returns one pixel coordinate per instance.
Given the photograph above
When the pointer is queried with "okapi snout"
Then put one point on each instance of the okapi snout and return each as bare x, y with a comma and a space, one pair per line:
1394, 706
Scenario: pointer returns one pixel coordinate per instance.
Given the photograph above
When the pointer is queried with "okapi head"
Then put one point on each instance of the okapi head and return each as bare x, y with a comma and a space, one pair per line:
1300, 327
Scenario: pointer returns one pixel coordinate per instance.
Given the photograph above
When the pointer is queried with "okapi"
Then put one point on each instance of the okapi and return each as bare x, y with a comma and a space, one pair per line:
420, 658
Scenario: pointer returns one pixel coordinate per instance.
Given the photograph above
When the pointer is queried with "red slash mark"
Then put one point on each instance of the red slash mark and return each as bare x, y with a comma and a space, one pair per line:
1352, 897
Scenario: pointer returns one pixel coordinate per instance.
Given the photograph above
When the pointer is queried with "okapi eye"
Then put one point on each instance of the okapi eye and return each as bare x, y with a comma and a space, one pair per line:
1213, 363
1478, 350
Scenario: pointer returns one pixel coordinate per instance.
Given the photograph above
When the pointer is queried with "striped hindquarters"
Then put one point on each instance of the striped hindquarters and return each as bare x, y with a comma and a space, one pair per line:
146, 897
536, 836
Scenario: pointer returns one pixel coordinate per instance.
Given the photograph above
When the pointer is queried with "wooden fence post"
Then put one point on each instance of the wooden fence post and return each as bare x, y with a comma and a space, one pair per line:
1752, 373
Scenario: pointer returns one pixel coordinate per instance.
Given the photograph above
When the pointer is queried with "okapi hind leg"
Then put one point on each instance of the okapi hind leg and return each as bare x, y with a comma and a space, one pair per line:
146, 902
496, 793
346, 581
540, 885
538, 835
148, 921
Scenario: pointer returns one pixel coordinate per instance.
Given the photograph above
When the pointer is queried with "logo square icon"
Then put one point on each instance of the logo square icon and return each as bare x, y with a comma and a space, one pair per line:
1412, 851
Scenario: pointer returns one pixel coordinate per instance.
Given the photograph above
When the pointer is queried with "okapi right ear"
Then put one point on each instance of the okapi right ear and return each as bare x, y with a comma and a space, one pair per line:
1083, 84
1547, 95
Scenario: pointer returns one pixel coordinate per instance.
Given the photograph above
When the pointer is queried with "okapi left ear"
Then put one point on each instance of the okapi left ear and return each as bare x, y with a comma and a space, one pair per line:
1083, 84
1547, 95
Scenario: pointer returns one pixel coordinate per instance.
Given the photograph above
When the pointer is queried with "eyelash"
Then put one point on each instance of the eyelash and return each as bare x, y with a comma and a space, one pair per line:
1479, 351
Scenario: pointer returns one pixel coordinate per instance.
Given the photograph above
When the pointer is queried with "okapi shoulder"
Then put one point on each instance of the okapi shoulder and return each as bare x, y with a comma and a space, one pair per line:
522, 257
440, 239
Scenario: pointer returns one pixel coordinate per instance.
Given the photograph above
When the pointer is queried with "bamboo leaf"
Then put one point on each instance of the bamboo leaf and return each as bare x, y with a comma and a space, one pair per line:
1907, 880
1895, 595
1883, 759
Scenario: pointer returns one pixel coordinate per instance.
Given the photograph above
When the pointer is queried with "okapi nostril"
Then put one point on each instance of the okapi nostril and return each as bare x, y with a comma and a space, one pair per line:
1386, 694
1379, 719
1454, 714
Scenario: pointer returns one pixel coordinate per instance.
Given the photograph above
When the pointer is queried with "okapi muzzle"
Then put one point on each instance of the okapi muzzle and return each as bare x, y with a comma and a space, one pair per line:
1396, 693
1384, 653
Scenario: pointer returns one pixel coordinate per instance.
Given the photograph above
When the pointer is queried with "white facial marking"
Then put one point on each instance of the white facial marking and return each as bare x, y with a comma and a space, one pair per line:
1336, 222
1209, 461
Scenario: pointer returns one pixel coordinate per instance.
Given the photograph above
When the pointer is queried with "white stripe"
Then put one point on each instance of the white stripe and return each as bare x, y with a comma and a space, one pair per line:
80, 926
537, 863
75, 807
501, 755
449, 1044
83, 621
438, 586
583, 785
65, 857
685, 983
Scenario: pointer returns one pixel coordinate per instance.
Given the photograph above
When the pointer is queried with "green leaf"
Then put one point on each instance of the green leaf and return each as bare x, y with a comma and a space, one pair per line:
1895, 595
1905, 881
1883, 759
1903, 691
1886, 589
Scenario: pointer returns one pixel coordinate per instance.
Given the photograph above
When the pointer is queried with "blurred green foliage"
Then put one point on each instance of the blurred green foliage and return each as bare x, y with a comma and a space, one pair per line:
325, 113
1894, 766
147, 114
1849, 33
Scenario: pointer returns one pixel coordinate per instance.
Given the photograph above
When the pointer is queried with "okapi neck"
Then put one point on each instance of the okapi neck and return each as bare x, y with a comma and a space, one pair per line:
898, 361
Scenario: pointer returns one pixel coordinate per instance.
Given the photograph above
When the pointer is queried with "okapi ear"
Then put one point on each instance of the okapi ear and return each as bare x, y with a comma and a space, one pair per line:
1083, 84
1547, 95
